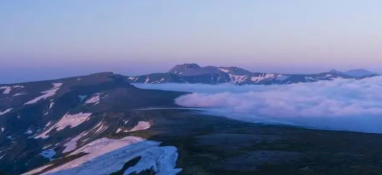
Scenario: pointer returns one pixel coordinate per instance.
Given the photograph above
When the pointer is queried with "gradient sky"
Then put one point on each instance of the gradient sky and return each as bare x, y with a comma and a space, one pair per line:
56, 38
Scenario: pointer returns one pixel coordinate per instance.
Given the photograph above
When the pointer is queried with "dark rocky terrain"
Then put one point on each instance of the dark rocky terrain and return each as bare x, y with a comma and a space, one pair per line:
193, 73
40, 116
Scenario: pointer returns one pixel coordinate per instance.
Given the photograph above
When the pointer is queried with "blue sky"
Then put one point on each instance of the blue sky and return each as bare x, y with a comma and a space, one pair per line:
44, 38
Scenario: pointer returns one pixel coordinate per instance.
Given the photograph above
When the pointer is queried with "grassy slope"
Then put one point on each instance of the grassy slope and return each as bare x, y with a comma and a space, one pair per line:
233, 147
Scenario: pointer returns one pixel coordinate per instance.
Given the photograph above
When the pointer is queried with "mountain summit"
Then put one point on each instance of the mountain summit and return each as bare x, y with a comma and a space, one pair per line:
192, 69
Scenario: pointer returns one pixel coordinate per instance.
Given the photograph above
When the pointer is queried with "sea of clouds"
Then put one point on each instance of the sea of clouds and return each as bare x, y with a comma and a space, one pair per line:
341, 104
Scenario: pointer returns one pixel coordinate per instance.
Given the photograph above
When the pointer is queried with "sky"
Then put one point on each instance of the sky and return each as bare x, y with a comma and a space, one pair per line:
45, 39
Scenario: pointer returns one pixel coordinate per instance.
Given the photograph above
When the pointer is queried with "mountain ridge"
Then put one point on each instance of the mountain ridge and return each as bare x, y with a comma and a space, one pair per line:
193, 73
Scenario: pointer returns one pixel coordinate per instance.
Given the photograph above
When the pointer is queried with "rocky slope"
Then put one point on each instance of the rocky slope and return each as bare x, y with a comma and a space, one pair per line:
193, 73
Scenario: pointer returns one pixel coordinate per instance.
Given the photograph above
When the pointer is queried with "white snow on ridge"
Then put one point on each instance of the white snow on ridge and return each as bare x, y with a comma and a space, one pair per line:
141, 126
93, 100
6, 111
47, 94
106, 156
68, 120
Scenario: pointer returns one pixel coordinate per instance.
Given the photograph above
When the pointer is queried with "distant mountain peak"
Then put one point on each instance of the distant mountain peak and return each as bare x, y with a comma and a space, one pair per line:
359, 73
188, 69
335, 71
359, 70
191, 65
187, 66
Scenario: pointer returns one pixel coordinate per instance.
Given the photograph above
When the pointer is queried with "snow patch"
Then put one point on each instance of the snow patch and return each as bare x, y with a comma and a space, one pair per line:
93, 100
47, 94
19, 94
48, 154
161, 80
71, 120
51, 105
7, 89
147, 80
309, 79
72, 144
118, 130
141, 126
262, 77
6, 111
47, 146
236, 79
224, 70
2, 129
112, 154
282, 77
100, 127
48, 124
29, 131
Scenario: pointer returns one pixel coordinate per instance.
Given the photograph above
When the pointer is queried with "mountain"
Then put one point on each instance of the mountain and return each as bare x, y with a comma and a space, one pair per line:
100, 124
43, 121
360, 73
193, 73
356, 73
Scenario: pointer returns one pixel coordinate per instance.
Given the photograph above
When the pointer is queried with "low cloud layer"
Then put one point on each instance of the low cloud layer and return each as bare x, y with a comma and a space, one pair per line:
351, 105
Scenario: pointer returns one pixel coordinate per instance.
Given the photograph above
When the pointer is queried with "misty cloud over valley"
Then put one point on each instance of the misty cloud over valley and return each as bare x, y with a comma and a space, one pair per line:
342, 104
